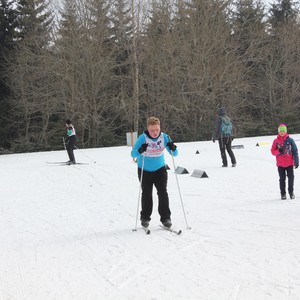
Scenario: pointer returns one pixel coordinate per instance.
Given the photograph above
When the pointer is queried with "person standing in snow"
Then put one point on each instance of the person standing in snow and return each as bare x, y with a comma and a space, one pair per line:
223, 131
286, 152
71, 140
148, 149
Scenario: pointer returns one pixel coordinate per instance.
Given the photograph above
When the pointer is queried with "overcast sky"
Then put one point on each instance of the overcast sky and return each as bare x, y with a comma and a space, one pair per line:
56, 2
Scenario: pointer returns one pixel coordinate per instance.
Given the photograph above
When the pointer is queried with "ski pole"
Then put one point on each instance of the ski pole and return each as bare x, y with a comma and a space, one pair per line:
179, 191
65, 147
84, 154
139, 197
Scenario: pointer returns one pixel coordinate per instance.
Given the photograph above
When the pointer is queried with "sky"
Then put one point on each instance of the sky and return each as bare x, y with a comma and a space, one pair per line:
66, 231
58, 3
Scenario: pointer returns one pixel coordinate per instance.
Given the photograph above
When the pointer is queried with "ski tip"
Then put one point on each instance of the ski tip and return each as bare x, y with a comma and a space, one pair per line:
147, 231
179, 232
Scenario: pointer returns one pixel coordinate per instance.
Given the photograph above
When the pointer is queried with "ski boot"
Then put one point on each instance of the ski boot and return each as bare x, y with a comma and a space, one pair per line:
167, 223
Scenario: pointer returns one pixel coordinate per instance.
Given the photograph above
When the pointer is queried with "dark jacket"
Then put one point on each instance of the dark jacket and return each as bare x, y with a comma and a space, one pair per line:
218, 122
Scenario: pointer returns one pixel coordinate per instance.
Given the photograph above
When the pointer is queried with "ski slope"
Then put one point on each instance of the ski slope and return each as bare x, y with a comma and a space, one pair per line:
66, 231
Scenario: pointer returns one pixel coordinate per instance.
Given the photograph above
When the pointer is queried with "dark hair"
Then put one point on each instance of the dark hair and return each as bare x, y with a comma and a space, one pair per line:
221, 111
68, 121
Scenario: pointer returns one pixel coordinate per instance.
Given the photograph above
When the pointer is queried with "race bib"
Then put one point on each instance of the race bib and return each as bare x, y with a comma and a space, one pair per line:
155, 148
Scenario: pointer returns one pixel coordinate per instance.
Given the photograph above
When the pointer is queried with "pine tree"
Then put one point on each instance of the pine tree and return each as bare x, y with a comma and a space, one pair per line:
34, 22
284, 62
86, 51
283, 11
8, 18
31, 74
122, 40
251, 42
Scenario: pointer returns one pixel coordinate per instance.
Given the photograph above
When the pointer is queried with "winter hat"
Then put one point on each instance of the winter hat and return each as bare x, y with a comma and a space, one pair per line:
282, 128
221, 111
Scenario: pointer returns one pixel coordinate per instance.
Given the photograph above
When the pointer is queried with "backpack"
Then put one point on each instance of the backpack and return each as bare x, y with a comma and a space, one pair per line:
226, 126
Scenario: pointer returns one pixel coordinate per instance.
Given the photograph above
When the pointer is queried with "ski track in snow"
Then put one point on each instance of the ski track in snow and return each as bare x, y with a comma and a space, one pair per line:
66, 231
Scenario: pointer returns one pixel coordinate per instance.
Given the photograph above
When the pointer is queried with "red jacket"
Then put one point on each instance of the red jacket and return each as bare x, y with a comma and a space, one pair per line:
290, 154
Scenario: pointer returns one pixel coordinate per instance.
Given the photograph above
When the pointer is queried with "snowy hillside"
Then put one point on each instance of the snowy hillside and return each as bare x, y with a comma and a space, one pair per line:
66, 231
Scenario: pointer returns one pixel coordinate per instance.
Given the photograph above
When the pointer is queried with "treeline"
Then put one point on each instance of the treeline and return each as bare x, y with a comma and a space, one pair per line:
109, 64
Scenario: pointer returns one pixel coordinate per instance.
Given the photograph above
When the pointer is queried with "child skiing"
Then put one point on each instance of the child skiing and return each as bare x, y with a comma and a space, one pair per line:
71, 140
286, 152
148, 150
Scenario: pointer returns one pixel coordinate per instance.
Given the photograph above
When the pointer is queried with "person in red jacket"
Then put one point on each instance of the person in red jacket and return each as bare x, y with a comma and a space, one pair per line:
286, 152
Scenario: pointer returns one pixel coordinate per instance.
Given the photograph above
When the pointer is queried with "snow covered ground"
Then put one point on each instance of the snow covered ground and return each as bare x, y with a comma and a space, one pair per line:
66, 231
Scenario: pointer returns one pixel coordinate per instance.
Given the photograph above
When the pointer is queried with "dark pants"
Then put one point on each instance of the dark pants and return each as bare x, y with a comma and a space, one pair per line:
70, 147
225, 145
159, 179
289, 172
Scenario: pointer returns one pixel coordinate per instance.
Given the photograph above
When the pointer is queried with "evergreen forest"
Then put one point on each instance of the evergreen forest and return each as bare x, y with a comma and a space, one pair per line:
108, 65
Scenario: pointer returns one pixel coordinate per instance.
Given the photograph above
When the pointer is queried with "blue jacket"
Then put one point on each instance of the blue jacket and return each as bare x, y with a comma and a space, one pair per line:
153, 157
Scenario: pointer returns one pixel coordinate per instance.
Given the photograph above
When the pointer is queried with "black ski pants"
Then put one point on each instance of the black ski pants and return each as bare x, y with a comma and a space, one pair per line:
225, 145
158, 179
70, 147
283, 172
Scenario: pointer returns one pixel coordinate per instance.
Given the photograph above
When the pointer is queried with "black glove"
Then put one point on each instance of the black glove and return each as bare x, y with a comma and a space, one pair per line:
296, 166
213, 139
171, 146
143, 148
280, 148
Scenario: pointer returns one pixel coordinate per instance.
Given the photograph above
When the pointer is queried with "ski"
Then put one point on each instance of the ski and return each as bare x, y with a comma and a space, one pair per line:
178, 232
63, 163
147, 231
